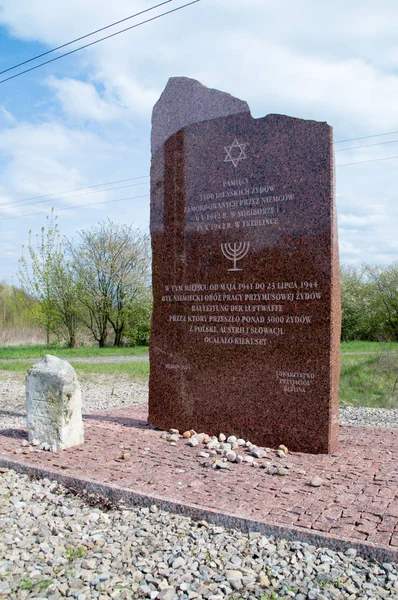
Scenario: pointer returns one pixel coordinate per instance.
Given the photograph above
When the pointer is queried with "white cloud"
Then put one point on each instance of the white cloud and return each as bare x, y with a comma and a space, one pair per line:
348, 249
5, 116
359, 221
81, 100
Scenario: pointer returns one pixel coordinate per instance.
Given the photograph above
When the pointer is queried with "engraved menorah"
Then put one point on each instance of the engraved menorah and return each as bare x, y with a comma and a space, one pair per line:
235, 252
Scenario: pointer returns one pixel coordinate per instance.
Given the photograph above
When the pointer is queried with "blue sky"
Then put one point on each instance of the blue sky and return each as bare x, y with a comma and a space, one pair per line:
85, 120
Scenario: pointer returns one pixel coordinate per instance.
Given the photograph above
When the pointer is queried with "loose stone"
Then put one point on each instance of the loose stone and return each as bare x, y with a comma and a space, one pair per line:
258, 452
316, 481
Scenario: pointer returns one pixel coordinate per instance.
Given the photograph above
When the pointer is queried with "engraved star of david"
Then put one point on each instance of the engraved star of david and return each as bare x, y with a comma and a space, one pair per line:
234, 156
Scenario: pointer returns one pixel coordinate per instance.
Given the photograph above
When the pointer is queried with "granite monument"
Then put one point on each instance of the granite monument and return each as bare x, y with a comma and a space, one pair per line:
246, 320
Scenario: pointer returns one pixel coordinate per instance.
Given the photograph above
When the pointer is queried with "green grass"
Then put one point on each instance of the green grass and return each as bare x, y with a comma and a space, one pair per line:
73, 553
358, 346
135, 370
20, 352
40, 584
369, 380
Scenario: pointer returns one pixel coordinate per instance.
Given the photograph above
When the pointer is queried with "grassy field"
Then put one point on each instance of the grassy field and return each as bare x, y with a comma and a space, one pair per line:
368, 346
134, 370
370, 379
366, 379
21, 352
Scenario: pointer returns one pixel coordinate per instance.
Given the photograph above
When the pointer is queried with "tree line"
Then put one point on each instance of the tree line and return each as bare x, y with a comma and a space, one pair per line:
98, 283
370, 302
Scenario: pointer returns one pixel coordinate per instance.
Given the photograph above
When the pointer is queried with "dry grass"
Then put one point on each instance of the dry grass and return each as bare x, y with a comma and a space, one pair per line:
15, 336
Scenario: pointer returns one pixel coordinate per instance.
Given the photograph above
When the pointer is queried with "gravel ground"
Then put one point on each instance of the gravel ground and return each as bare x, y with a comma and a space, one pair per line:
56, 544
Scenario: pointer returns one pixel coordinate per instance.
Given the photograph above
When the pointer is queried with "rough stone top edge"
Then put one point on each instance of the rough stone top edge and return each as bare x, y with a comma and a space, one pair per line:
185, 101
52, 364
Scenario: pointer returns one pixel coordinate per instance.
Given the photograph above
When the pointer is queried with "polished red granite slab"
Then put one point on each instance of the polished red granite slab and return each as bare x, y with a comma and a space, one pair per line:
246, 320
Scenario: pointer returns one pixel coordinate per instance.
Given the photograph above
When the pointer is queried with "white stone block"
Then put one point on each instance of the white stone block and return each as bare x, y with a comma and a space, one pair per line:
54, 404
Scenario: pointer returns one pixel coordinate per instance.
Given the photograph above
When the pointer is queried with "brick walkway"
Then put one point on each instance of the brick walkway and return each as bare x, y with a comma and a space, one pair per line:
357, 504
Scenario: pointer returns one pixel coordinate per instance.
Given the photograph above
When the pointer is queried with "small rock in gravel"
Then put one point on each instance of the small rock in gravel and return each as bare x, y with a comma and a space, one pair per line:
264, 580
258, 452
248, 459
280, 453
212, 445
204, 454
187, 435
231, 456
220, 465
193, 441
316, 481
174, 432
272, 470
222, 437
283, 448
233, 574
282, 471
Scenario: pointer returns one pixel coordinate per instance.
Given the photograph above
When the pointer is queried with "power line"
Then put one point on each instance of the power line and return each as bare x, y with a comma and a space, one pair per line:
121, 187
107, 37
366, 146
84, 37
76, 207
367, 161
86, 187
364, 137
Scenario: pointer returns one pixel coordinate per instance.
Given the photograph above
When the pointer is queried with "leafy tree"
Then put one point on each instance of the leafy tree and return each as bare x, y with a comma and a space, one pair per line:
370, 302
139, 320
384, 282
111, 265
356, 304
16, 307
45, 274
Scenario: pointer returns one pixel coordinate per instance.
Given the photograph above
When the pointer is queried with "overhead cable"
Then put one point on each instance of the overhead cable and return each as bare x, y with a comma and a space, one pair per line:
76, 207
107, 37
25, 62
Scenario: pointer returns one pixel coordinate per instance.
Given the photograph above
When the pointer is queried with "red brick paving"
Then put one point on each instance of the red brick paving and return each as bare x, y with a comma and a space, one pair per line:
358, 500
